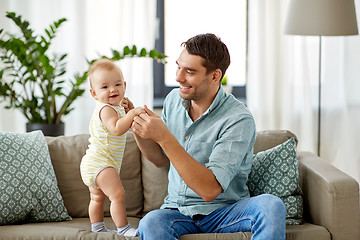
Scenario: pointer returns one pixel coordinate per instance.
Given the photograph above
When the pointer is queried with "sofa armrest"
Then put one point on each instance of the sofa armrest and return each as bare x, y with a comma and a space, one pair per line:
331, 197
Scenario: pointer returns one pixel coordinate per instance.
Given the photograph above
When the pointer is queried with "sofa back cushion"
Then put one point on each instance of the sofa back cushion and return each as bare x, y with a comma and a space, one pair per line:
155, 183
271, 138
66, 153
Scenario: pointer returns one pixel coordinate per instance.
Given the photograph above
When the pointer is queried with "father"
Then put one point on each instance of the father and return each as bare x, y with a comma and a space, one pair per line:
207, 138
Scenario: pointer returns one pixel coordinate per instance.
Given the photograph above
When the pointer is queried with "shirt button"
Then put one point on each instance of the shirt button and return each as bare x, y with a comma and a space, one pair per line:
187, 137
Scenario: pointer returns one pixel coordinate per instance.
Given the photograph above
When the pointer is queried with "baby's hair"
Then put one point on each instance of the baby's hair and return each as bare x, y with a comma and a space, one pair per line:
103, 64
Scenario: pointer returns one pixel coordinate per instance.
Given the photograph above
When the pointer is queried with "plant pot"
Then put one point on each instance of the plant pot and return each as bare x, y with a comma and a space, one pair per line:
47, 129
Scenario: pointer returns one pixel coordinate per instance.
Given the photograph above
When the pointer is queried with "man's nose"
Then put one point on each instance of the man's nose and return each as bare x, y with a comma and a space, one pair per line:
179, 75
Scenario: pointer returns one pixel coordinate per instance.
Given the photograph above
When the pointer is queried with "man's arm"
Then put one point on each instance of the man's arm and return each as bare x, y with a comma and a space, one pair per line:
151, 150
154, 136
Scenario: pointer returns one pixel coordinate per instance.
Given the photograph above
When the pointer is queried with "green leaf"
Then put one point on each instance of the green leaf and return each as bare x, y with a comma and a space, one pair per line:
143, 52
58, 90
48, 33
134, 50
153, 53
59, 22
63, 57
116, 54
60, 82
126, 50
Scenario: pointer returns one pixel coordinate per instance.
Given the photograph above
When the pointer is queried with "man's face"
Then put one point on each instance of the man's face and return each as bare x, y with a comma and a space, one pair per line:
192, 77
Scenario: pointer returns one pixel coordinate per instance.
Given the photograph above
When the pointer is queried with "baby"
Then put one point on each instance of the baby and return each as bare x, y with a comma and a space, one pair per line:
100, 167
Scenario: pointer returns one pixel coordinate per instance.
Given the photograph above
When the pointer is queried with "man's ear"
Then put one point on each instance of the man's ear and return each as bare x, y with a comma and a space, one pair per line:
216, 76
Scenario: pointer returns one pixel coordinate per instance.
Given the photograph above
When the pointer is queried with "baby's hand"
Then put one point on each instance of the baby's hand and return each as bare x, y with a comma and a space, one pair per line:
139, 110
126, 104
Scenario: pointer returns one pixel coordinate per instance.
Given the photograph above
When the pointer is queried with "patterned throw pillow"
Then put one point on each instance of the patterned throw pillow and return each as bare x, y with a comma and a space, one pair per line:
275, 171
28, 186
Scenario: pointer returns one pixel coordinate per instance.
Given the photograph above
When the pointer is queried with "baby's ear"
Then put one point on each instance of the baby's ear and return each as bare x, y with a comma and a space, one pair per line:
93, 93
124, 85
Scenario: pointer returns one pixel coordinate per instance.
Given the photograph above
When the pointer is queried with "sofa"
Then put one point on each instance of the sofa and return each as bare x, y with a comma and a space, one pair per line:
330, 197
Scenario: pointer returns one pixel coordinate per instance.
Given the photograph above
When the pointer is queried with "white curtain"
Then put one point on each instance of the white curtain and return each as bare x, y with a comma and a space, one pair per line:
93, 27
282, 87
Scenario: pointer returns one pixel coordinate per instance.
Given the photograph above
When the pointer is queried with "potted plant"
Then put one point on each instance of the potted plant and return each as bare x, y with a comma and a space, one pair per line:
31, 79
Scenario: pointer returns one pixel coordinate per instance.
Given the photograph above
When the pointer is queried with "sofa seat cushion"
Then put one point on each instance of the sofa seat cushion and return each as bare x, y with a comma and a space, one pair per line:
78, 228
28, 186
294, 232
307, 231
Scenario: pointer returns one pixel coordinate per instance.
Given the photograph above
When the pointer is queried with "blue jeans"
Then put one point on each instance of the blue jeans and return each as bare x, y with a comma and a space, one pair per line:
263, 215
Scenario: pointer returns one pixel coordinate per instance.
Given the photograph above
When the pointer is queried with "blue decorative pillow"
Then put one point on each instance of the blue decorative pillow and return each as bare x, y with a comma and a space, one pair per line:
28, 186
275, 171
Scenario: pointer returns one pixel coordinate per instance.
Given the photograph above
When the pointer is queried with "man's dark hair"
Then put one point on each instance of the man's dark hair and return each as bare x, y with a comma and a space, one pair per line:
211, 49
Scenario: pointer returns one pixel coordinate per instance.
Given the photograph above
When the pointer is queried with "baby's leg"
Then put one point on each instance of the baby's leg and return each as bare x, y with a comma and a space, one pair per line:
96, 210
96, 206
109, 182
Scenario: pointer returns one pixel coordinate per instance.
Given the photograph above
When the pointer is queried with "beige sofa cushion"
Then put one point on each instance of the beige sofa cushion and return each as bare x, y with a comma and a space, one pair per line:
66, 153
155, 182
130, 174
269, 139
78, 228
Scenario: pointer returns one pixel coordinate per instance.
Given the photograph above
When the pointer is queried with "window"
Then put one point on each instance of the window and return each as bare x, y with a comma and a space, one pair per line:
180, 20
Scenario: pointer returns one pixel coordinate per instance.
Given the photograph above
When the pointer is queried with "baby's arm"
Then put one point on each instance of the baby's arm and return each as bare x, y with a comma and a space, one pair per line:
116, 125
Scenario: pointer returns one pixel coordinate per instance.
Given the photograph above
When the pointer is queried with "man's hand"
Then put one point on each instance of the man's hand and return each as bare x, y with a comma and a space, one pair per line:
145, 127
150, 126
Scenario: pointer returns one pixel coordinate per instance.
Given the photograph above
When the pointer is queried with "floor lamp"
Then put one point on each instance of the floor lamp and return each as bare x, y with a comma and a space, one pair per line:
321, 18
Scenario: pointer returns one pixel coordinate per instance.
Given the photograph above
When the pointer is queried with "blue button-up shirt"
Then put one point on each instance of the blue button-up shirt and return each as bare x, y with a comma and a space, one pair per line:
221, 139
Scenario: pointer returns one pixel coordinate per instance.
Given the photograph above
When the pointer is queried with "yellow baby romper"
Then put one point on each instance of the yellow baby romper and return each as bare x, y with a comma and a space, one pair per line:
105, 149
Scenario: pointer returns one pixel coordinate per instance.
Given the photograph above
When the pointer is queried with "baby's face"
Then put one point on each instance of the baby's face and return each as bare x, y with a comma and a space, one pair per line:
108, 86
